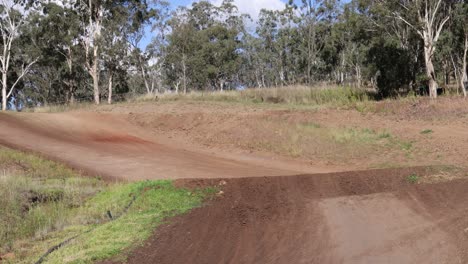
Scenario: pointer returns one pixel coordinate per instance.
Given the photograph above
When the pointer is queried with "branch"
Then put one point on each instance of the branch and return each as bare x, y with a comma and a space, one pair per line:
24, 71
434, 14
441, 27
398, 16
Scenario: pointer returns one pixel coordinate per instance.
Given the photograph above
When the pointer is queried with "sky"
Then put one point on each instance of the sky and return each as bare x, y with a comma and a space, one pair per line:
251, 7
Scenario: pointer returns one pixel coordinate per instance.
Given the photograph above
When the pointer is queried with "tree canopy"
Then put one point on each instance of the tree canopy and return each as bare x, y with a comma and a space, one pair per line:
87, 50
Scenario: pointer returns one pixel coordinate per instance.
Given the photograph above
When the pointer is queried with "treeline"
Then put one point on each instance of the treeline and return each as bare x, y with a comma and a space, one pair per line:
69, 50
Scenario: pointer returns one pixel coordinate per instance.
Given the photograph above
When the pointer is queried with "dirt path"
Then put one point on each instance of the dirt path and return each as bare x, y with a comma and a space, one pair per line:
106, 145
372, 216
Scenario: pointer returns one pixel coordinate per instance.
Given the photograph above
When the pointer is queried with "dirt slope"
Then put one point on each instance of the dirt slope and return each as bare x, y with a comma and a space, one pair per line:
360, 217
107, 145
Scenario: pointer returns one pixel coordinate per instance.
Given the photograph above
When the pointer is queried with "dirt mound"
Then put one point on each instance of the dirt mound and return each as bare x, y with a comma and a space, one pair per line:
109, 146
359, 217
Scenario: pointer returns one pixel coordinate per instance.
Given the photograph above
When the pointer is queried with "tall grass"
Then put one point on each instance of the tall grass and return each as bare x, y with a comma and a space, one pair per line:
296, 95
37, 196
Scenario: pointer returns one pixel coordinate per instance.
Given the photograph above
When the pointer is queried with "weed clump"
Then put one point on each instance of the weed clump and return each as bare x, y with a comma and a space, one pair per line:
427, 131
413, 178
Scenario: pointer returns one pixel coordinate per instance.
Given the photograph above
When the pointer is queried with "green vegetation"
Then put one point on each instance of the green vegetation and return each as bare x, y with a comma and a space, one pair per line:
36, 195
155, 201
427, 131
347, 135
315, 140
44, 203
413, 178
197, 48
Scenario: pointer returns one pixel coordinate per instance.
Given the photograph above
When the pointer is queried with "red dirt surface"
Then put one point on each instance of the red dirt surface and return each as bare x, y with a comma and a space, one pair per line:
357, 217
108, 146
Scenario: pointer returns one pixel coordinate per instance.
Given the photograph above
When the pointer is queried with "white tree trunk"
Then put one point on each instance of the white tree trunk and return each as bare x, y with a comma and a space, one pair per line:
358, 76
464, 78
143, 74
91, 40
430, 73
109, 97
184, 73
95, 77
4, 91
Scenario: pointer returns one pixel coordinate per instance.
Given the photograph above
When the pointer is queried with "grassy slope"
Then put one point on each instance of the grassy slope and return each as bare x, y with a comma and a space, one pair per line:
44, 203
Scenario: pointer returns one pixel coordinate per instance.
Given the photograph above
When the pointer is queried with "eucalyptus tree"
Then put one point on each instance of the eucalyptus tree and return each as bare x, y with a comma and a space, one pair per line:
97, 17
55, 32
315, 17
180, 46
203, 46
460, 31
427, 18
13, 18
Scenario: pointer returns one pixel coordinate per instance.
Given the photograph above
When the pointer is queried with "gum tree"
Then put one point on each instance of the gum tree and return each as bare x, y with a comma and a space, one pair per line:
10, 29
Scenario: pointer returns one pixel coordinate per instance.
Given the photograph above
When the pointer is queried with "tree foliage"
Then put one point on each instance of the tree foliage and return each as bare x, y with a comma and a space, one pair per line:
64, 51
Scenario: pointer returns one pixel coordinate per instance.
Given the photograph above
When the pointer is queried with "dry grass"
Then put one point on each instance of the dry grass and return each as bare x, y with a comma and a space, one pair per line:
37, 196
292, 95
313, 140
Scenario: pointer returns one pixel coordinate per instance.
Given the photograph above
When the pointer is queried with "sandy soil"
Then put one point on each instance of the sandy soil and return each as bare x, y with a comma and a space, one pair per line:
298, 216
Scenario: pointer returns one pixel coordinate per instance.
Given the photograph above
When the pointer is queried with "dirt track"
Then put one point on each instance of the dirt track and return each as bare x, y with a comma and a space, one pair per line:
350, 217
358, 217
106, 145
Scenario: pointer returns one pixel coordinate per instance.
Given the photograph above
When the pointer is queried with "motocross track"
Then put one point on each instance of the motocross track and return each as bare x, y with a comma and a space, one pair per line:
105, 145
374, 216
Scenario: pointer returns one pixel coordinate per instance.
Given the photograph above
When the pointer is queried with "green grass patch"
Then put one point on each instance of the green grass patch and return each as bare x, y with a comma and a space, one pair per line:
43, 203
354, 135
157, 201
413, 178
427, 131
406, 145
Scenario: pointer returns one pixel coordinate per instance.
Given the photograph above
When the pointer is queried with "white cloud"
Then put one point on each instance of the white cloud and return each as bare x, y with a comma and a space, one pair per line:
253, 7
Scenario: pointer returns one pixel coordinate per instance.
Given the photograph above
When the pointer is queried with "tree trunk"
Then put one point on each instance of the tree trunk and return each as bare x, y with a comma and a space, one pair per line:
95, 75
177, 87
358, 76
109, 97
464, 77
143, 74
71, 83
221, 85
430, 72
4, 91
456, 72
184, 72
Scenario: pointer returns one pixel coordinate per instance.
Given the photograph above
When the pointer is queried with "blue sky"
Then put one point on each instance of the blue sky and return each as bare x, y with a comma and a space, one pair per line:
251, 7
187, 2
